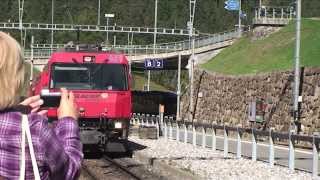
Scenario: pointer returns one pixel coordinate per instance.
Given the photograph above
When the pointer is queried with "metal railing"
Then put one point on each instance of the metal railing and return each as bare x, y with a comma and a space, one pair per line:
168, 125
273, 15
93, 28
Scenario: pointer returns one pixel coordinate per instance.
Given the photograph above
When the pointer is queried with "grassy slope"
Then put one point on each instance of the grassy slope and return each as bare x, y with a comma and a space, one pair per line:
270, 54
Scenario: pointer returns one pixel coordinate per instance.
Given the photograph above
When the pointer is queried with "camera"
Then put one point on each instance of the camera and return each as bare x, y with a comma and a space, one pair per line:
50, 99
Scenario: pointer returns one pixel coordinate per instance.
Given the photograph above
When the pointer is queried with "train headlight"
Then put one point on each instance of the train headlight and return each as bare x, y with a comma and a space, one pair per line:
88, 59
117, 125
81, 111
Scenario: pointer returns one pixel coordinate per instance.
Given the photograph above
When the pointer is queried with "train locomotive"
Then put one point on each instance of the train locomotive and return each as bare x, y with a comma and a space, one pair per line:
100, 82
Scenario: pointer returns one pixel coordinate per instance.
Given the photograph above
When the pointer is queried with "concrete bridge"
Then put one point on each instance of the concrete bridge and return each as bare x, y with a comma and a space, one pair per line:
138, 53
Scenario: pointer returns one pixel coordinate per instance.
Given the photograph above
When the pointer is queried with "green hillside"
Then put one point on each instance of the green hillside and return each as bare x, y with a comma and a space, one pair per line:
273, 53
139, 80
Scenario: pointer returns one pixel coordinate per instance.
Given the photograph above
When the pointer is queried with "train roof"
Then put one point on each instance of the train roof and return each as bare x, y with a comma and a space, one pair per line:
100, 57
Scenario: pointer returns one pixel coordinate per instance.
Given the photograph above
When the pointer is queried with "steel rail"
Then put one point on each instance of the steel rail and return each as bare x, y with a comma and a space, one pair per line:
122, 167
88, 172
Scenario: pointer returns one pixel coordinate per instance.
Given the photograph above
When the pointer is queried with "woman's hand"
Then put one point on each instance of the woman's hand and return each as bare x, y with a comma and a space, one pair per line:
67, 106
34, 102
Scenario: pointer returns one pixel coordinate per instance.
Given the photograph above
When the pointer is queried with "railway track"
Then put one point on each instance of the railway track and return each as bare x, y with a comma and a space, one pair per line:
116, 168
124, 166
86, 174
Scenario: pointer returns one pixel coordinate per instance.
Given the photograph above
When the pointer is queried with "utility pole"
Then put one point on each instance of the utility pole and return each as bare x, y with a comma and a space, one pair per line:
240, 12
190, 25
179, 87
297, 65
154, 38
21, 6
260, 3
52, 13
99, 5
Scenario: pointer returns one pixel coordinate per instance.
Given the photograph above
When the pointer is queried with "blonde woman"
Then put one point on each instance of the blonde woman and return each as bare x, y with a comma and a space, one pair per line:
57, 150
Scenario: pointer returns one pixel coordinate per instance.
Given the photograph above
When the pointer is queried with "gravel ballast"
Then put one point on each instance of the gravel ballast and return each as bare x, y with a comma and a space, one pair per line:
209, 164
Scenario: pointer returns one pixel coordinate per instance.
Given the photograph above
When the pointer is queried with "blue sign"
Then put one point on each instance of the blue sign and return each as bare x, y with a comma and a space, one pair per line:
148, 63
153, 64
158, 63
232, 5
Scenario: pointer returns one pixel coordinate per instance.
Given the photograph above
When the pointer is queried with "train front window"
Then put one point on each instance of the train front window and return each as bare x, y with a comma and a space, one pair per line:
89, 76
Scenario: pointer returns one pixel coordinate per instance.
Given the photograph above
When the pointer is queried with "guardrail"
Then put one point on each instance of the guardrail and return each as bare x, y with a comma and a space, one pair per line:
166, 126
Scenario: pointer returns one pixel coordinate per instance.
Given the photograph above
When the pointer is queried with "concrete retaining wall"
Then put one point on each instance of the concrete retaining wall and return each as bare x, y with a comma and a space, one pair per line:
225, 99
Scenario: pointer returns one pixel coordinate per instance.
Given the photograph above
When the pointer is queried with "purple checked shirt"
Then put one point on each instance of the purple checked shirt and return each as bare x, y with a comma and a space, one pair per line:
57, 149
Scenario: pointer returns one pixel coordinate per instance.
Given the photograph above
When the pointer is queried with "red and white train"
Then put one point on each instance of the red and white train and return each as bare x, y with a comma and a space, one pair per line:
100, 82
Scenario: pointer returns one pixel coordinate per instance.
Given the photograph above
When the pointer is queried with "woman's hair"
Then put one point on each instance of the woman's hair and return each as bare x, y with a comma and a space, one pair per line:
11, 71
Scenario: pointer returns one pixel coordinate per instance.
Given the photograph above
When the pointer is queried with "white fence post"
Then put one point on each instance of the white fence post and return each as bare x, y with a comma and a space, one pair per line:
291, 152
136, 119
147, 120
203, 137
177, 132
271, 149
238, 143
165, 130
185, 133
315, 159
225, 144
158, 130
254, 146
194, 136
170, 130
214, 140
142, 120
153, 123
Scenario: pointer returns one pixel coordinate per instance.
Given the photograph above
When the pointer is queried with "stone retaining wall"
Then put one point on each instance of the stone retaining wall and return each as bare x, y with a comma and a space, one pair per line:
225, 99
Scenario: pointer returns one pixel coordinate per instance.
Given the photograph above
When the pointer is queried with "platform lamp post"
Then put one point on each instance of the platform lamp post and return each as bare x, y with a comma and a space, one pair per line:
297, 66
52, 13
239, 20
191, 62
108, 16
99, 7
154, 38
21, 7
